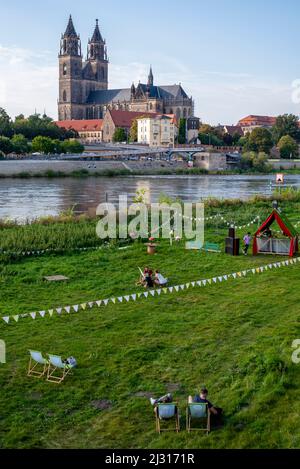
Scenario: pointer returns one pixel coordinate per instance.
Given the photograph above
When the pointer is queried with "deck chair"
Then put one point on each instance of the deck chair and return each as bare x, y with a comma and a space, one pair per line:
57, 365
198, 411
37, 364
165, 412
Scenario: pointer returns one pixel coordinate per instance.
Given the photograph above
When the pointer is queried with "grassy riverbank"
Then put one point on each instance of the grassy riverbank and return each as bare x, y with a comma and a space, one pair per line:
235, 337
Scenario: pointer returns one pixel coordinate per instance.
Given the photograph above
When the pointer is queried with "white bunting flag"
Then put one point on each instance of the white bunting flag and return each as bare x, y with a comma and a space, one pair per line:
50, 312
200, 283
68, 309
120, 298
76, 308
16, 317
91, 304
33, 315
6, 319
42, 313
127, 298
83, 306
170, 289
158, 291
105, 302
113, 300
98, 303
182, 287
209, 281
225, 277
146, 294
215, 279
133, 297
193, 284
220, 279
59, 310
244, 273
177, 288
152, 292
165, 290
187, 285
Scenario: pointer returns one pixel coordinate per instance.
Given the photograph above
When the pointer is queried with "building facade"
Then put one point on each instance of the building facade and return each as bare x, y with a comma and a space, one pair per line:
156, 131
83, 84
89, 131
251, 122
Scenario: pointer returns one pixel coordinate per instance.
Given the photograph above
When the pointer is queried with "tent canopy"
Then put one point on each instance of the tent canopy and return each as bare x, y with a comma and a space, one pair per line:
285, 225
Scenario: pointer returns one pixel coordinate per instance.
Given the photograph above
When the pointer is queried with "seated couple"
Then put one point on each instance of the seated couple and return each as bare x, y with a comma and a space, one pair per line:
148, 281
215, 412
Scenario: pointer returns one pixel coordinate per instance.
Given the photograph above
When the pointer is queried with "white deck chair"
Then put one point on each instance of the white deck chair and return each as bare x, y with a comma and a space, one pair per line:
56, 364
37, 361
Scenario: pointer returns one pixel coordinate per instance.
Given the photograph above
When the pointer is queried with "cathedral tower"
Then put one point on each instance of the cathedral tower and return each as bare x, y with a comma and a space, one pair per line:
70, 75
97, 56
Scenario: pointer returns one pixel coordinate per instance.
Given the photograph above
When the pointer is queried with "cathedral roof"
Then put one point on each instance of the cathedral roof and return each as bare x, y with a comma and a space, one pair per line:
156, 92
107, 96
97, 35
70, 31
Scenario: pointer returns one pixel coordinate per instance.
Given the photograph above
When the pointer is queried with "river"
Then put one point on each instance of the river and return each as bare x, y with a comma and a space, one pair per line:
22, 199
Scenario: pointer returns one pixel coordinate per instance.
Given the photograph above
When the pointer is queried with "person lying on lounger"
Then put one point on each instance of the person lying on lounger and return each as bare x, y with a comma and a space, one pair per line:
160, 280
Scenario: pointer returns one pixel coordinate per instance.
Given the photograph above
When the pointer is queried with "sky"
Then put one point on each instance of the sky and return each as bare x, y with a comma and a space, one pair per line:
234, 57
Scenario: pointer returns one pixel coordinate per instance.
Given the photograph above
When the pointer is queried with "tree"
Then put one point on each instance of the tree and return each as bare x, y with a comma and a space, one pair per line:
42, 144
260, 140
287, 124
134, 131
72, 146
119, 135
5, 124
288, 147
255, 161
5, 145
20, 144
182, 131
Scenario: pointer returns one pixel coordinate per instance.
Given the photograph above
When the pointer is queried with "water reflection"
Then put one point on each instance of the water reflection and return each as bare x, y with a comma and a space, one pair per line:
30, 198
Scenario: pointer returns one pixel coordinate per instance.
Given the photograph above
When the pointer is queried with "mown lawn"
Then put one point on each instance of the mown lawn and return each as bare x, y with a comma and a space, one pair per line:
235, 337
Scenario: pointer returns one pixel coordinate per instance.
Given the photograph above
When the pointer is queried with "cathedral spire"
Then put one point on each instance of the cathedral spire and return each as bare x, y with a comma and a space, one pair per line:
97, 35
150, 77
70, 41
96, 46
70, 31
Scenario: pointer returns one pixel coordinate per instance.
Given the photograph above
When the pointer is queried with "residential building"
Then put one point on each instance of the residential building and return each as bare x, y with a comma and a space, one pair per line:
251, 122
156, 131
89, 131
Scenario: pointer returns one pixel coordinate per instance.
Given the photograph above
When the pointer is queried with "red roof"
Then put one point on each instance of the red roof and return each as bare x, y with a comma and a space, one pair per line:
91, 125
257, 120
125, 118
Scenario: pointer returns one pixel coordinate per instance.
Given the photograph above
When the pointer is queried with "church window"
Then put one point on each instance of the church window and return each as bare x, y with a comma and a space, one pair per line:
65, 69
64, 95
150, 106
184, 112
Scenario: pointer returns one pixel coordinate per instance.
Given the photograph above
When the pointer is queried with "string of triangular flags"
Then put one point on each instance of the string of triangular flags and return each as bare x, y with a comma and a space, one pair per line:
151, 293
226, 222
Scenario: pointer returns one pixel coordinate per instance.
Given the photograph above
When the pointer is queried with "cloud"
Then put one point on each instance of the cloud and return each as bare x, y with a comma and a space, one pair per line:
29, 81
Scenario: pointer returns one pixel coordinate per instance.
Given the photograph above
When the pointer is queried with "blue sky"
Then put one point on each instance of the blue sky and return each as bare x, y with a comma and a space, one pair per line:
234, 57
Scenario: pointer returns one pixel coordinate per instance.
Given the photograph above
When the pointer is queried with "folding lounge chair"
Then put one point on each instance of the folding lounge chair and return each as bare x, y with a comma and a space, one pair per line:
198, 411
35, 363
166, 412
57, 365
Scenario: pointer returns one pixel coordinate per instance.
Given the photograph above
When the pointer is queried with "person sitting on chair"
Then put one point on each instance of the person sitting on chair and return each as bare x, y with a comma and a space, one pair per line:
160, 280
202, 398
148, 282
168, 398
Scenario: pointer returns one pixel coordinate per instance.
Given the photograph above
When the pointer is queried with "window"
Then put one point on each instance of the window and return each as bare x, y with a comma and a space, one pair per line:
65, 69
64, 95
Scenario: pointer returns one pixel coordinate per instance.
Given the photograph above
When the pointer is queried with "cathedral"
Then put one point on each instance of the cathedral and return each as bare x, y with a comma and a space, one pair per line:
83, 84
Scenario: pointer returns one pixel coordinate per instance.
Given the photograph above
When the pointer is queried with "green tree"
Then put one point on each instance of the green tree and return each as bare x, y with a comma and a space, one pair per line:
260, 140
20, 144
72, 146
119, 135
288, 147
182, 132
255, 161
286, 124
5, 145
42, 144
134, 131
5, 124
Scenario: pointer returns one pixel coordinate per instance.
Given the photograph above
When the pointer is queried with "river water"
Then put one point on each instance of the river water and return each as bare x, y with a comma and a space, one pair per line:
23, 199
